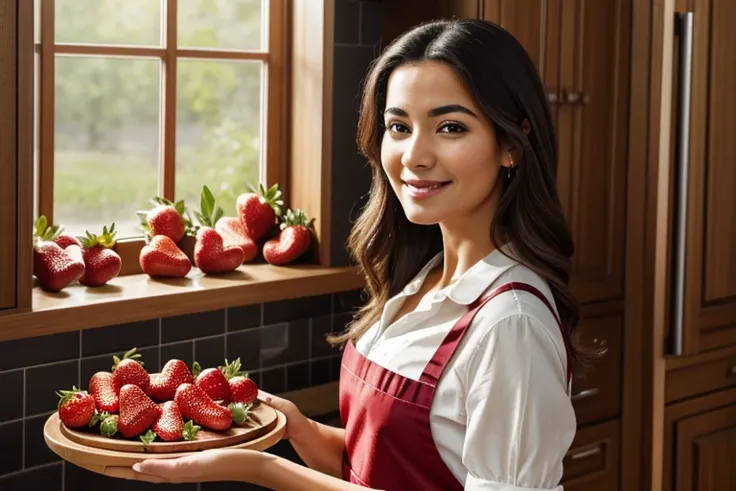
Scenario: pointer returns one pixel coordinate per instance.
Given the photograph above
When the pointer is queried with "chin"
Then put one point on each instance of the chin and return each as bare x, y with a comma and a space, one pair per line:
423, 218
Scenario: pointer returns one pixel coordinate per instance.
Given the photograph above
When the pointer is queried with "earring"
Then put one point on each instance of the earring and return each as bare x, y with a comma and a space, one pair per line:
511, 165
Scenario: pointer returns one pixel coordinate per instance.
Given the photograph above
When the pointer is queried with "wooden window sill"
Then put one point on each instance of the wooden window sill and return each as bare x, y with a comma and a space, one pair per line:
138, 297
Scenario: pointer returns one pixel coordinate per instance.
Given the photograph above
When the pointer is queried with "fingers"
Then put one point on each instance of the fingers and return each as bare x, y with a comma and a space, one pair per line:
129, 473
157, 467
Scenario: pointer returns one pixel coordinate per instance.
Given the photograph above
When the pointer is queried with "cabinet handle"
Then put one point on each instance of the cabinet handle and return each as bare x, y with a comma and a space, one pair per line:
552, 97
585, 453
576, 98
684, 29
732, 370
583, 394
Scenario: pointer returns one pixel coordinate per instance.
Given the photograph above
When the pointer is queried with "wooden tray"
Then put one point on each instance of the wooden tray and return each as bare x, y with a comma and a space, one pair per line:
97, 459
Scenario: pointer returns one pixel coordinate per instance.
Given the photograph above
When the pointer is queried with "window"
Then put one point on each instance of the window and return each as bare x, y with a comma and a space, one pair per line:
144, 98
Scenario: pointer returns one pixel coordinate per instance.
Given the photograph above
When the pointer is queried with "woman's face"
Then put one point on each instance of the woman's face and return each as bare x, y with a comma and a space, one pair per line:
439, 150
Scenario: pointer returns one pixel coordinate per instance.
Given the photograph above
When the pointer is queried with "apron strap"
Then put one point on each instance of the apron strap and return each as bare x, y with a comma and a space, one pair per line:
436, 365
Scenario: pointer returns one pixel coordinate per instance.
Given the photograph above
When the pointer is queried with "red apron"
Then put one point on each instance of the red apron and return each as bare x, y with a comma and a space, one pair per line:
388, 439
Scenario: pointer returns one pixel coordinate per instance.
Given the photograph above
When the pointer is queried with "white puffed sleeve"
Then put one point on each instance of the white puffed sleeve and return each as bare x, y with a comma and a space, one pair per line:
520, 420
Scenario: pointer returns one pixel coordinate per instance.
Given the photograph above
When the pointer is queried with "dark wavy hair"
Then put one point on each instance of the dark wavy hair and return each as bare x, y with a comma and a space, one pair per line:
498, 73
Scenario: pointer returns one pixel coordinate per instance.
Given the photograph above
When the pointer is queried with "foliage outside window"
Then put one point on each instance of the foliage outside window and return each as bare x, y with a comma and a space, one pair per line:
113, 132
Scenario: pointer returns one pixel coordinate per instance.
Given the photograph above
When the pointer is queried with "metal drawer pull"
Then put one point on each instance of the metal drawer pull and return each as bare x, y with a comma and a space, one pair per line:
585, 453
552, 97
585, 393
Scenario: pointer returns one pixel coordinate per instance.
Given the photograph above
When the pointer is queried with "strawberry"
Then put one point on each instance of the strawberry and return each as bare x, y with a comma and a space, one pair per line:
211, 254
213, 382
169, 424
233, 233
137, 411
53, 265
258, 209
76, 407
161, 257
102, 388
196, 405
66, 240
242, 388
293, 240
163, 386
129, 370
101, 262
166, 218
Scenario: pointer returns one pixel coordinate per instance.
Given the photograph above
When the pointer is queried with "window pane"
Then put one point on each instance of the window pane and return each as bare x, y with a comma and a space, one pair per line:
106, 142
221, 24
128, 22
218, 129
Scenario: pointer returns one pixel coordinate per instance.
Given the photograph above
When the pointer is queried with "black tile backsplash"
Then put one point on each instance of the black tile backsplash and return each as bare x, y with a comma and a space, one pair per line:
281, 344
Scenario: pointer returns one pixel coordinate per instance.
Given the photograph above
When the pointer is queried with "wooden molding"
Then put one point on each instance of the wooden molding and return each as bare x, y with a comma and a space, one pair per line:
310, 126
137, 297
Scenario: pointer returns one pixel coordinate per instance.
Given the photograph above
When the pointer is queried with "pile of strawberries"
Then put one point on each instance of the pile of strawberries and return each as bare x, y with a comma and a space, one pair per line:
172, 405
222, 243
60, 259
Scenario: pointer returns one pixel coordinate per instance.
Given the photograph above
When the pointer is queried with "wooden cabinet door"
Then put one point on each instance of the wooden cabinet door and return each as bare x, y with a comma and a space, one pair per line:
706, 451
703, 273
581, 51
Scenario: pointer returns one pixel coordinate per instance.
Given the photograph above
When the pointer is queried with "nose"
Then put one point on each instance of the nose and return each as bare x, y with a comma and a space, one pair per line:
418, 153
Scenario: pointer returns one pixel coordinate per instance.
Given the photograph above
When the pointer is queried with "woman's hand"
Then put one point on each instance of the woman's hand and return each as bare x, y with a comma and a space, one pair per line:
208, 465
296, 422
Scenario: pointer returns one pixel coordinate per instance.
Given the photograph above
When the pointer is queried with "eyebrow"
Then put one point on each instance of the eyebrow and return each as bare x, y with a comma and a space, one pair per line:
432, 113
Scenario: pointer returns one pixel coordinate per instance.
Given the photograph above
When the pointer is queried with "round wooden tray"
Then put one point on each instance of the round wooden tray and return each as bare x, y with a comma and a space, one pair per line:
95, 453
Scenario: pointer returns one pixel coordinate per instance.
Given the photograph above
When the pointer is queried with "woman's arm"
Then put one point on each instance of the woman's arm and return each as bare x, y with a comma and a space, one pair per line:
320, 446
283, 475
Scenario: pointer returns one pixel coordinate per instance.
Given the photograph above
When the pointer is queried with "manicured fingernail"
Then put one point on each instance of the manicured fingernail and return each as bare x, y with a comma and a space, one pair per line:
137, 467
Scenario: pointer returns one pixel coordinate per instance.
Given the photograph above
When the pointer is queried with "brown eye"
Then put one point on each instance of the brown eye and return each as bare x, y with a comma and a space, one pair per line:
397, 128
452, 128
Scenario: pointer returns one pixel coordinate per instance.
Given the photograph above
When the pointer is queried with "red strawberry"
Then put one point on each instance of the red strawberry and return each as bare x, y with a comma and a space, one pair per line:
161, 257
101, 262
169, 424
162, 386
213, 382
65, 240
293, 240
258, 209
129, 370
137, 411
233, 233
54, 266
211, 255
167, 218
196, 405
76, 407
102, 389
242, 388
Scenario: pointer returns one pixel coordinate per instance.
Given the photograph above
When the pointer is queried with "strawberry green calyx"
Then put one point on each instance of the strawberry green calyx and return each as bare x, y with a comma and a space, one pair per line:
98, 417
295, 217
239, 411
230, 370
66, 395
42, 232
128, 355
106, 239
189, 431
109, 426
272, 196
196, 369
209, 211
148, 437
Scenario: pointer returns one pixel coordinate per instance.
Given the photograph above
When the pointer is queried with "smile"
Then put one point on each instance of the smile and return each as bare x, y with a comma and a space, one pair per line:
424, 189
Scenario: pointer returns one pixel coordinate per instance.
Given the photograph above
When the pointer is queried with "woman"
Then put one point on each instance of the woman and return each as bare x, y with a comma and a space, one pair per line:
456, 373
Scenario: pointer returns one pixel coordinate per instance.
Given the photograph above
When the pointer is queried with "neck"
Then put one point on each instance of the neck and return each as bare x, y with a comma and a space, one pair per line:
463, 246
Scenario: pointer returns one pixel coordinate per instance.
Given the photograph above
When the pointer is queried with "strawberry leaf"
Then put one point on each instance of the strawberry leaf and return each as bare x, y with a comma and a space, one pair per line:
148, 438
180, 207
189, 431
239, 412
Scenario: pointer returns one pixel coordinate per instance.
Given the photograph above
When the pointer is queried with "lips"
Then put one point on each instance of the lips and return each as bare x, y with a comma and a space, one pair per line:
424, 188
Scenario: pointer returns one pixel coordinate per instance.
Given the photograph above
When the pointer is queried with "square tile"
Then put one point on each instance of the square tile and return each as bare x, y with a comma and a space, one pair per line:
247, 346
273, 380
43, 382
287, 342
210, 352
320, 372
349, 301
335, 366
246, 317
120, 338
297, 308
201, 324
320, 328
93, 364
11, 387
37, 452
297, 376
35, 351
178, 351
46, 478
11, 447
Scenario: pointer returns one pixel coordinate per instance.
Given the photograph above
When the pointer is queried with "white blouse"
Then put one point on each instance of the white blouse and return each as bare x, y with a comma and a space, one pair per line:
501, 418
